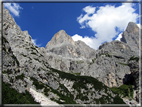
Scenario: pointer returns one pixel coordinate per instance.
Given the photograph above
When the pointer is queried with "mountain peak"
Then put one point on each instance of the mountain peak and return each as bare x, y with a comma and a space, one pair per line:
60, 38
131, 36
132, 27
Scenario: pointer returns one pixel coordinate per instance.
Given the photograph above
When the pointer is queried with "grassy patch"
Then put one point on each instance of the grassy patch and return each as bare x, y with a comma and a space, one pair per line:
124, 90
79, 62
123, 64
134, 58
78, 74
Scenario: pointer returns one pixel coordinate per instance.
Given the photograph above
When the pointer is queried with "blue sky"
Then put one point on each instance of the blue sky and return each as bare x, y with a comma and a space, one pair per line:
93, 23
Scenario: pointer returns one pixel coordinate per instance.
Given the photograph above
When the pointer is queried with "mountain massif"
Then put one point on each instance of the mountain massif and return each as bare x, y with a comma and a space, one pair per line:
67, 71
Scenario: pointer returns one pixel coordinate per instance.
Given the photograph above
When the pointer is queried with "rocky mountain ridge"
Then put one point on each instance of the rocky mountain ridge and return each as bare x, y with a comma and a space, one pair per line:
68, 72
62, 44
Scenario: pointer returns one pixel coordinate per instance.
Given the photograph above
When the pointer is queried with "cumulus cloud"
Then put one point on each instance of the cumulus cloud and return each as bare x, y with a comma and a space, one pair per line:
89, 9
106, 22
14, 8
139, 25
119, 37
34, 42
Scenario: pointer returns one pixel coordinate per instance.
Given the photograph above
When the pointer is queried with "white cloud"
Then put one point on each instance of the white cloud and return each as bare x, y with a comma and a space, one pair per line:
89, 9
105, 20
90, 41
34, 42
14, 8
119, 37
139, 25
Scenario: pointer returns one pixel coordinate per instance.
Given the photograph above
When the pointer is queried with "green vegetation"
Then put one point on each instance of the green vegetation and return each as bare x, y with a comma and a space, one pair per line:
106, 54
38, 84
134, 58
93, 60
124, 90
33, 53
17, 71
41, 55
4, 40
15, 60
38, 69
11, 96
123, 64
118, 100
37, 59
24, 55
27, 48
59, 60
36, 46
68, 99
20, 76
3, 48
77, 74
46, 90
30, 58
8, 71
80, 83
34, 49
79, 62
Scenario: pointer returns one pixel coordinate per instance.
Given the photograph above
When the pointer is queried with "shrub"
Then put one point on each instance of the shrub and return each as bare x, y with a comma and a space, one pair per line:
124, 90
134, 58
20, 76
33, 53
38, 85
79, 62
123, 64
34, 49
11, 96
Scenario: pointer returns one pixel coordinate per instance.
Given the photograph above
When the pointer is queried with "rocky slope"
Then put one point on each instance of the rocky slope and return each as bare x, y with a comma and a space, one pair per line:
66, 71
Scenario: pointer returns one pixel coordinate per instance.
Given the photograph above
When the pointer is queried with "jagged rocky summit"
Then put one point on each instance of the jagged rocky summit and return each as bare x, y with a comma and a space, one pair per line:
69, 72
131, 37
62, 44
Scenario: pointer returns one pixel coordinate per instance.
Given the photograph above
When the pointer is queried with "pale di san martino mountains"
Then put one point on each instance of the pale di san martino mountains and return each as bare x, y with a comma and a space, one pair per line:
68, 71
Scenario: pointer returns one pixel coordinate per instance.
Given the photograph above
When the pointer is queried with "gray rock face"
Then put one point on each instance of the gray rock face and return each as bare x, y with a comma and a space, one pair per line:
62, 44
131, 37
60, 38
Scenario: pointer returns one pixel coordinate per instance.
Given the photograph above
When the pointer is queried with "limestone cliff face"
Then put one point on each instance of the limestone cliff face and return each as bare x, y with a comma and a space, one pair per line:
59, 38
62, 44
131, 36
